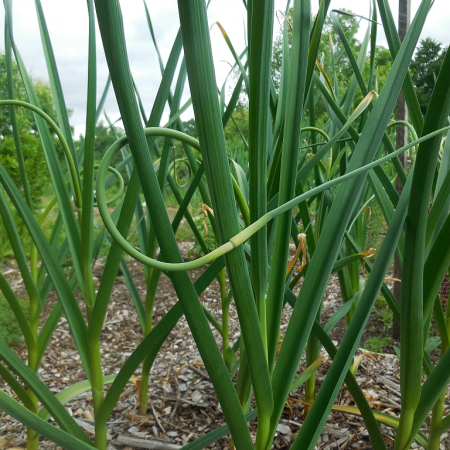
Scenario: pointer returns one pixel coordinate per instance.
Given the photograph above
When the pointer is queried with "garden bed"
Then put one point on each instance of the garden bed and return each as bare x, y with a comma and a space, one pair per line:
183, 403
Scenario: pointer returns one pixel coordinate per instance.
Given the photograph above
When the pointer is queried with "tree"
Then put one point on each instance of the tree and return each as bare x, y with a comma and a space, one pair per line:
191, 128
340, 66
105, 136
425, 68
235, 133
350, 26
35, 162
383, 64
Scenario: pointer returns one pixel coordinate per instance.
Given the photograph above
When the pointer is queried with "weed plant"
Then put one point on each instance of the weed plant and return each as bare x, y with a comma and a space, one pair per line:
381, 341
377, 344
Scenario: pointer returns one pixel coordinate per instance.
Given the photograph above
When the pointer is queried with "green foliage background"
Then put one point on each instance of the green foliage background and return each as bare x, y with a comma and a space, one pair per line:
34, 158
425, 68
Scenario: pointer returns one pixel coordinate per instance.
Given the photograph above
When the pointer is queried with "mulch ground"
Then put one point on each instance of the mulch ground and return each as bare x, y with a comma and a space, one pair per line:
183, 404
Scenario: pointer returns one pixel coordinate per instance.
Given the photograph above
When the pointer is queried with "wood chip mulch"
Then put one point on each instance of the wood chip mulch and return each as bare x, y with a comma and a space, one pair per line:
183, 404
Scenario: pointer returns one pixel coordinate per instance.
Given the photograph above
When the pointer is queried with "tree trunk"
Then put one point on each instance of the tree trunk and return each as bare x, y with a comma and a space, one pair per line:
404, 15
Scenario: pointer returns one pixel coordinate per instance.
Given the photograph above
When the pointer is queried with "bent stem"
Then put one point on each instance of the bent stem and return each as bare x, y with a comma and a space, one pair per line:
239, 238
56, 129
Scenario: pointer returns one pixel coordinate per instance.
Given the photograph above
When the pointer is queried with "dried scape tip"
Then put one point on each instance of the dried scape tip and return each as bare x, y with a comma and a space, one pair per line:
368, 254
301, 248
392, 279
206, 209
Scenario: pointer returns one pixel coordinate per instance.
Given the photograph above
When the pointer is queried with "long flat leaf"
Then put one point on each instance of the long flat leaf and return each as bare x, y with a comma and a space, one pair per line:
329, 243
66, 208
43, 393
394, 46
111, 28
203, 86
55, 82
64, 291
414, 254
34, 422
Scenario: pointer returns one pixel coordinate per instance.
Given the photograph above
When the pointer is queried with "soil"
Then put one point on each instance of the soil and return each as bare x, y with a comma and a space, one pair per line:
183, 405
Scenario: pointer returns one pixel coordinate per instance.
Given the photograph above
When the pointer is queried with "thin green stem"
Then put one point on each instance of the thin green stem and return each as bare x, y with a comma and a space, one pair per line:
33, 364
312, 353
239, 238
101, 441
404, 429
152, 287
436, 422
97, 384
51, 122
407, 125
225, 310
143, 392
32, 436
437, 415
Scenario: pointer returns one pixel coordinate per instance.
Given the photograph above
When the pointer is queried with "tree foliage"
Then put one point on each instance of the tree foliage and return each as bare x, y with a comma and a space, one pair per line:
329, 42
425, 68
105, 136
35, 163
335, 60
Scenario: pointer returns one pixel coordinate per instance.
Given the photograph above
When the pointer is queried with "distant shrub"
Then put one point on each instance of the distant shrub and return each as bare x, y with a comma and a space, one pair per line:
9, 328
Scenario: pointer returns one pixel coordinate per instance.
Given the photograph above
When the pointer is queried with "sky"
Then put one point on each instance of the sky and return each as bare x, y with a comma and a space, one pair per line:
67, 24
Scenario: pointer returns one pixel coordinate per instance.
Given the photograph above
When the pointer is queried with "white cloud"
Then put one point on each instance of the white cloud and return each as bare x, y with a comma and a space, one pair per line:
67, 23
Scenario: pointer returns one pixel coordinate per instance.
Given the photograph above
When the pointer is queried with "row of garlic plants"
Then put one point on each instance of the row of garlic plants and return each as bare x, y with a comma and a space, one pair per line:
255, 210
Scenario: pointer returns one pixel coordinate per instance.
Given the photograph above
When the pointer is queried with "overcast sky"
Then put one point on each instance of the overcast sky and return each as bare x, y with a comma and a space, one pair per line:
67, 23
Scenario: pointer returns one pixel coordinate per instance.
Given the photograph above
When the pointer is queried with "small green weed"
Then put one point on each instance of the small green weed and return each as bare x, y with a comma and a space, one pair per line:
184, 232
196, 251
377, 226
381, 302
386, 317
377, 344
384, 313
